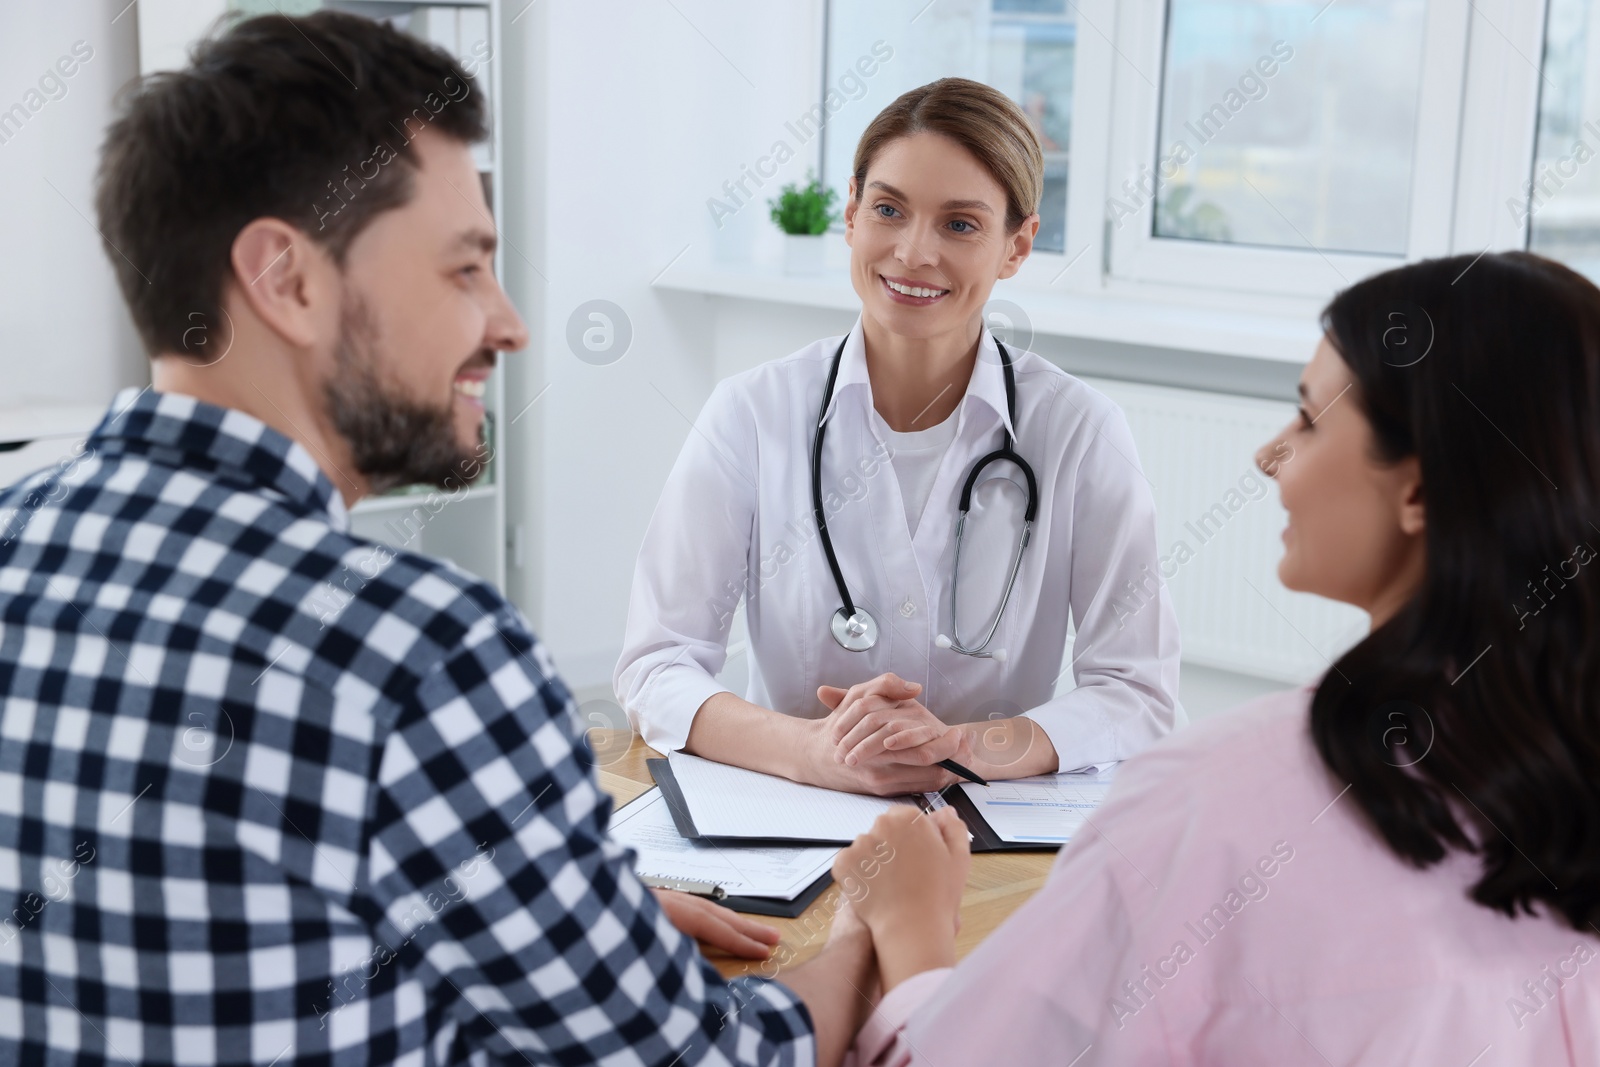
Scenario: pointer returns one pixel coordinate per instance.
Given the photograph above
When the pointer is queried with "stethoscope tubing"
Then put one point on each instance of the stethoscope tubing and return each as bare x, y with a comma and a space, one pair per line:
855, 629
816, 487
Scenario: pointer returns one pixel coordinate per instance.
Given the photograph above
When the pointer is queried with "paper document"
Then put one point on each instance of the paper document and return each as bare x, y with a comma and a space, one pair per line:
782, 873
1047, 809
729, 801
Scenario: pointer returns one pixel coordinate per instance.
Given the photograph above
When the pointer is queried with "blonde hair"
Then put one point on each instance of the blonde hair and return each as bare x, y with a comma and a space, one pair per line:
979, 118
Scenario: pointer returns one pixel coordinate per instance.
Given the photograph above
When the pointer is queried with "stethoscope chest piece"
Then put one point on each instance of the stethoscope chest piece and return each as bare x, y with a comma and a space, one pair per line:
852, 627
857, 632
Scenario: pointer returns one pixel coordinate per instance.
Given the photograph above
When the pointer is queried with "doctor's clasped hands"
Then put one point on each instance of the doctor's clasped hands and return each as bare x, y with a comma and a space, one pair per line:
885, 741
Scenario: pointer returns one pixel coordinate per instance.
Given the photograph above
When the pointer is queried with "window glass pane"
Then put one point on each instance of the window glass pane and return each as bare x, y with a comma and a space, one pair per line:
1562, 205
1024, 48
1288, 123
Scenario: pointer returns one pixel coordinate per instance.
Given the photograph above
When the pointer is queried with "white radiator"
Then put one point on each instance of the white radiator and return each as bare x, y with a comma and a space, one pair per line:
1221, 516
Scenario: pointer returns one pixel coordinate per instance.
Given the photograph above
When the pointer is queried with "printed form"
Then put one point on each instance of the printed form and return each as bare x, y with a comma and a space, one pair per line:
1047, 809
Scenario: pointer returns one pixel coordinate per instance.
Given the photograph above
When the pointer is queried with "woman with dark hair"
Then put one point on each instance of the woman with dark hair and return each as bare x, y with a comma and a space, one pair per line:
1400, 864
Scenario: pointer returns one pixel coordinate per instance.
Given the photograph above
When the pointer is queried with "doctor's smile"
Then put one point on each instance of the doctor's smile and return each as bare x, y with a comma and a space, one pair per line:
905, 291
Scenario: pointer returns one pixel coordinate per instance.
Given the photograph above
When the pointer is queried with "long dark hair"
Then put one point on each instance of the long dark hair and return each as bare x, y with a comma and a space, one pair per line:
1471, 719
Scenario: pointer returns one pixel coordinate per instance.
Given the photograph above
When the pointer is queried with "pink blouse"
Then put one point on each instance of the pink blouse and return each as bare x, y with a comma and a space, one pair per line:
1229, 905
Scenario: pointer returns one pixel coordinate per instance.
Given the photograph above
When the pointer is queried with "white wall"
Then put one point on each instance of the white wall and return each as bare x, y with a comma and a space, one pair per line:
640, 113
65, 337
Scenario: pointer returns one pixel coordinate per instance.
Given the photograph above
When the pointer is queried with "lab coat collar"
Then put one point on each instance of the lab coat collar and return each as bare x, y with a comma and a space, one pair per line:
987, 384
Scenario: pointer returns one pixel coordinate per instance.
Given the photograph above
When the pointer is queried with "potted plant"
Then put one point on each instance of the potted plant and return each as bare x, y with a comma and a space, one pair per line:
804, 214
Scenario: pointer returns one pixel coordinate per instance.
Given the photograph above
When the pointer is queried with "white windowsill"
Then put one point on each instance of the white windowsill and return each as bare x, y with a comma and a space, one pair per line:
1155, 320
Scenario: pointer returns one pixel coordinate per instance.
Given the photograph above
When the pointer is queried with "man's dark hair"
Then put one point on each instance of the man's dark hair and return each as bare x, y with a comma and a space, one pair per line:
304, 119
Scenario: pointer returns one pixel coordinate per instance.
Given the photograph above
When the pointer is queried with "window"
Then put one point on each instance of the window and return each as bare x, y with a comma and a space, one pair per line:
1252, 157
1280, 148
1025, 48
1282, 131
1563, 199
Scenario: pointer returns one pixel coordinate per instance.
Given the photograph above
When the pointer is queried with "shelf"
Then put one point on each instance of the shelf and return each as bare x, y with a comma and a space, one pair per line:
380, 505
1110, 316
48, 422
403, 4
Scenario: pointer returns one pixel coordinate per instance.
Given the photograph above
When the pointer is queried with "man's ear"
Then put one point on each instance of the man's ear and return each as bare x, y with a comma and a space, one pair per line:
1413, 517
280, 274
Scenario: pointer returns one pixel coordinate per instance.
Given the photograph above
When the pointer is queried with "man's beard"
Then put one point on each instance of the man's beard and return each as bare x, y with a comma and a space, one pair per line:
394, 440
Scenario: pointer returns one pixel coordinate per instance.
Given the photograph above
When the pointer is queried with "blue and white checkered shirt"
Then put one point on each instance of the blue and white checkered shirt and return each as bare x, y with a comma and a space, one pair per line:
273, 794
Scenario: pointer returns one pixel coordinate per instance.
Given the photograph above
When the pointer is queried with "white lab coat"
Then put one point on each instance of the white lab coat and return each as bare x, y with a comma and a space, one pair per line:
735, 520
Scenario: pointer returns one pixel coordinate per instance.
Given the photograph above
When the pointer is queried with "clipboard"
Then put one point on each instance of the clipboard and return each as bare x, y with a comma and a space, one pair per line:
771, 906
661, 771
984, 837
780, 909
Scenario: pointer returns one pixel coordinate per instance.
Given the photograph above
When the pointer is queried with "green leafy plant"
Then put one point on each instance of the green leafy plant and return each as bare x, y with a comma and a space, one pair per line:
1202, 221
804, 209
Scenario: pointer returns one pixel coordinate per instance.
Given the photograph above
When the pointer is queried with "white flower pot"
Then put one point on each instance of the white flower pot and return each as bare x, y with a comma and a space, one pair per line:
803, 253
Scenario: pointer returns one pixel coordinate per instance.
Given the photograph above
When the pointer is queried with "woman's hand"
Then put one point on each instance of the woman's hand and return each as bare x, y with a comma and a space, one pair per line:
714, 925
734, 731
874, 727
1014, 747
881, 722
886, 774
904, 879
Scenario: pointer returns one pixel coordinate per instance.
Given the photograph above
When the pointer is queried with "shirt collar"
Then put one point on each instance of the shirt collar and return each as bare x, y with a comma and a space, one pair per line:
220, 440
987, 384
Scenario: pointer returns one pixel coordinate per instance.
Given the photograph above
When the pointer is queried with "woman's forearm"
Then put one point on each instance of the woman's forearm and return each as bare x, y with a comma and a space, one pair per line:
838, 989
730, 729
1016, 747
908, 947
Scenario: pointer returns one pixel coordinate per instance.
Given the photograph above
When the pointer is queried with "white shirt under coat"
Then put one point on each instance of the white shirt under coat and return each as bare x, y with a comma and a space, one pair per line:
917, 455
735, 520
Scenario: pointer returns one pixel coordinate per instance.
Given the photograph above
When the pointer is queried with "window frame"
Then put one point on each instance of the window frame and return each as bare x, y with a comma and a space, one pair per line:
1500, 122
1137, 254
1477, 122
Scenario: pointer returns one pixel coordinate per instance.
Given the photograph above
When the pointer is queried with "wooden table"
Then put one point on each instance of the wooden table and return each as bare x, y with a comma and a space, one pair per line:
996, 886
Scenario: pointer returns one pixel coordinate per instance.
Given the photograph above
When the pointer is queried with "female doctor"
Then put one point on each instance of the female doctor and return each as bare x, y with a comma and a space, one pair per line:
838, 489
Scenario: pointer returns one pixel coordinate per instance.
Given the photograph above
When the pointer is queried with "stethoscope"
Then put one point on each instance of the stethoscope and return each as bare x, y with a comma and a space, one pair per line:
852, 626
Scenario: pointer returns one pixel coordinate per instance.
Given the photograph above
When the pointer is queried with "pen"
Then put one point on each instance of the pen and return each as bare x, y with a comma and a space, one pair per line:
684, 885
955, 768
